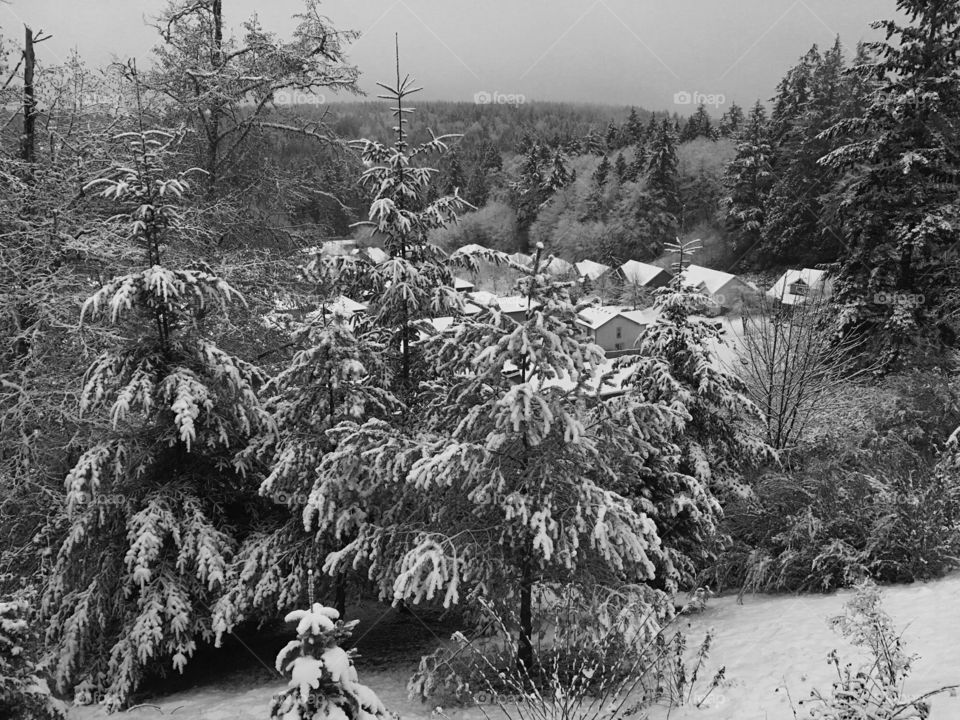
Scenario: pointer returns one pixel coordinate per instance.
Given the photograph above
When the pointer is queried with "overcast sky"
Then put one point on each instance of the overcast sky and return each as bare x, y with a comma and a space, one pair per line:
624, 52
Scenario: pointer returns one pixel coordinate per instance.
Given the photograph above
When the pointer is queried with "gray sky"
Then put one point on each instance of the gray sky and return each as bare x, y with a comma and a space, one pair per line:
625, 52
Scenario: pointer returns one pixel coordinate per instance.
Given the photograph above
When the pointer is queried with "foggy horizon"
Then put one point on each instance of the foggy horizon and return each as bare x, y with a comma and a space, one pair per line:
592, 52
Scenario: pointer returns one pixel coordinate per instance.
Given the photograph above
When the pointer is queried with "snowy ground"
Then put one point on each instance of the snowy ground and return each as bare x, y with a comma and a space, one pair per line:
770, 645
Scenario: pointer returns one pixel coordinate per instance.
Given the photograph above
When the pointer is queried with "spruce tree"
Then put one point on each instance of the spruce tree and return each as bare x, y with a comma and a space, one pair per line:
152, 502
812, 97
732, 120
620, 167
676, 369
348, 374
633, 129
748, 179
901, 180
662, 167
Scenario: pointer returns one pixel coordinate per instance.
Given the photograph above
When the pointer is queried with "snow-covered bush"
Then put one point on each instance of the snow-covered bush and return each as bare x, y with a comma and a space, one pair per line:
869, 499
603, 654
23, 694
874, 690
323, 681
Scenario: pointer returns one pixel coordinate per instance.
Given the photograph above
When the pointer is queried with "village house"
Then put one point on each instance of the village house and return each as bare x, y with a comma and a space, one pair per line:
797, 286
614, 329
725, 291
641, 274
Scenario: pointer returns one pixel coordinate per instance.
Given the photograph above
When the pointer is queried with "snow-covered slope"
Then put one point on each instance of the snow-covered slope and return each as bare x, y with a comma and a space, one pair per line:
770, 645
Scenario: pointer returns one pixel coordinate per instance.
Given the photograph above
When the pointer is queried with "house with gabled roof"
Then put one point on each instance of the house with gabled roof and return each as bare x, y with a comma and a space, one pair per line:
558, 267
614, 329
725, 290
463, 286
795, 287
590, 270
522, 259
643, 274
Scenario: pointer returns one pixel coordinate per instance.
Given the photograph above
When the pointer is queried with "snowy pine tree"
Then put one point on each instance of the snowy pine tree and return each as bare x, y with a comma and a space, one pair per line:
24, 695
901, 179
749, 177
350, 373
676, 385
151, 502
323, 681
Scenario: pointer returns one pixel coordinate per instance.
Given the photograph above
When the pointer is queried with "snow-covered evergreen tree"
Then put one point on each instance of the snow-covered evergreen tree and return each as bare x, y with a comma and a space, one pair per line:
901, 166
151, 502
337, 373
352, 372
505, 482
323, 681
676, 385
749, 177
24, 695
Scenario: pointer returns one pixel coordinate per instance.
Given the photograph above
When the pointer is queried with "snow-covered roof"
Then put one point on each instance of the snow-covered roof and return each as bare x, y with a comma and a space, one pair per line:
375, 254
483, 298
590, 269
462, 285
596, 317
709, 279
341, 305
558, 266
521, 259
640, 273
813, 279
514, 303
472, 248
645, 316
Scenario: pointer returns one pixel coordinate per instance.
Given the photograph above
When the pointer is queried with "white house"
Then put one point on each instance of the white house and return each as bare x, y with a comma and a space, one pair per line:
644, 274
340, 305
558, 267
590, 270
613, 329
795, 286
727, 291
513, 306
522, 259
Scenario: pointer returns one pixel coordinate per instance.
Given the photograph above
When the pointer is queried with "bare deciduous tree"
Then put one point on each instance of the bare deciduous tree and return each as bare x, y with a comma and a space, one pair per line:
794, 364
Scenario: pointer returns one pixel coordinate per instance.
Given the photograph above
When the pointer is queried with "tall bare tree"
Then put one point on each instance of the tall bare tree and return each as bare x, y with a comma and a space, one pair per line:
794, 364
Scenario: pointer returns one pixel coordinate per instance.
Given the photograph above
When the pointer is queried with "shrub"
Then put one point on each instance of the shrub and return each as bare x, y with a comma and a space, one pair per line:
600, 655
873, 691
874, 503
323, 681
24, 695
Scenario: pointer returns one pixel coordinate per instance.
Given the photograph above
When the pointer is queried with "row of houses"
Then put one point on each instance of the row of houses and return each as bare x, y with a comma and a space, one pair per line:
614, 328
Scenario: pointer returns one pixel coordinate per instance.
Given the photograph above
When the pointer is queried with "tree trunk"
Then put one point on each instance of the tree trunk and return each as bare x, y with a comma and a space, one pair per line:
216, 110
28, 140
340, 595
525, 642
